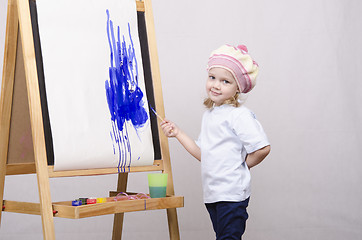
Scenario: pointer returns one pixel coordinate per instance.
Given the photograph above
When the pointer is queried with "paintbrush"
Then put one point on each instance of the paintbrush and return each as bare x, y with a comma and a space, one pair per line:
154, 111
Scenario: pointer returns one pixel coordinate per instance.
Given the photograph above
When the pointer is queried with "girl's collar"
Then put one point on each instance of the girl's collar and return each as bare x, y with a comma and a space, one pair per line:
214, 107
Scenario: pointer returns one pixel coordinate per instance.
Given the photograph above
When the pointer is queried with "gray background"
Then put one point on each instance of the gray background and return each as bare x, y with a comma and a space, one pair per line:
307, 98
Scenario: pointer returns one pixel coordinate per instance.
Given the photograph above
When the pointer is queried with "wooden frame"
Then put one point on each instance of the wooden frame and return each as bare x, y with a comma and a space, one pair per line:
19, 20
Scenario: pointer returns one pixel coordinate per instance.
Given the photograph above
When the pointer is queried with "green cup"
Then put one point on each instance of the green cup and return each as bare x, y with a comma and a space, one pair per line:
157, 183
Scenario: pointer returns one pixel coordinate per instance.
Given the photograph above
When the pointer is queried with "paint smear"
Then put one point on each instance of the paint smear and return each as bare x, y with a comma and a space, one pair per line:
124, 96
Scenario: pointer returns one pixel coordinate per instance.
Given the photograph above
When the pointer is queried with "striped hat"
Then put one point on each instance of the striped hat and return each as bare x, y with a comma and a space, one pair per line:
237, 61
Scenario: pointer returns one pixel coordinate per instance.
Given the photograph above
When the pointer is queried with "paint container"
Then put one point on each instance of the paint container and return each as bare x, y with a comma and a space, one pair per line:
83, 200
77, 202
157, 183
101, 200
91, 200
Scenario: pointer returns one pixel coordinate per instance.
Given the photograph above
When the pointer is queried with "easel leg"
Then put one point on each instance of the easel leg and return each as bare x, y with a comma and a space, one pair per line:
2, 184
173, 224
45, 201
118, 218
7, 89
36, 119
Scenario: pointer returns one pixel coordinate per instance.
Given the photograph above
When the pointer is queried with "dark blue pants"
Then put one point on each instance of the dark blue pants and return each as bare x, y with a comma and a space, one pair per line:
228, 219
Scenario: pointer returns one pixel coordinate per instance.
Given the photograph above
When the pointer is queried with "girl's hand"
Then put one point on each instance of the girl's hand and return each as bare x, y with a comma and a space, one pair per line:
169, 128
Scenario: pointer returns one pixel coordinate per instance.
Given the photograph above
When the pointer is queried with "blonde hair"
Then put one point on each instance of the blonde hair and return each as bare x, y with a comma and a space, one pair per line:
233, 101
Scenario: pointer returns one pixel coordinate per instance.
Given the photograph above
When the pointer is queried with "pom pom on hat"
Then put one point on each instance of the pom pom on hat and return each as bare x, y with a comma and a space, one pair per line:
237, 61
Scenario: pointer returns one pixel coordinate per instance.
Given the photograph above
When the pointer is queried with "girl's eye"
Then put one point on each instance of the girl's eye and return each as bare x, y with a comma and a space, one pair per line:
226, 81
212, 77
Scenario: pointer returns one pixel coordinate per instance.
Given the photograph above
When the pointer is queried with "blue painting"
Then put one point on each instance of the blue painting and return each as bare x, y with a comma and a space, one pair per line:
124, 96
95, 85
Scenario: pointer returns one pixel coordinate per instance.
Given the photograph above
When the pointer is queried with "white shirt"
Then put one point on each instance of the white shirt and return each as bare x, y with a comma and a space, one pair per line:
227, 135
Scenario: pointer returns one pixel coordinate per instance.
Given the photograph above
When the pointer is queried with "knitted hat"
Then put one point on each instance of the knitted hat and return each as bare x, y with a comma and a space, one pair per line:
237, 61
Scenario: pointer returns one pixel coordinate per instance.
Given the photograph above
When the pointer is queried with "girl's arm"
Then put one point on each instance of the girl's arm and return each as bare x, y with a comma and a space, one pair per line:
171, 130
256, 157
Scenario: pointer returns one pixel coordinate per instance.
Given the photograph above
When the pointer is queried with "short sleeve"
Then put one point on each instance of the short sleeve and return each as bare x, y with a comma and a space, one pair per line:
249, 131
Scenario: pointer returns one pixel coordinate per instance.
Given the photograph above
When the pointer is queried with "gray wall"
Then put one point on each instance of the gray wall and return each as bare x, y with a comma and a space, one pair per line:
307, 98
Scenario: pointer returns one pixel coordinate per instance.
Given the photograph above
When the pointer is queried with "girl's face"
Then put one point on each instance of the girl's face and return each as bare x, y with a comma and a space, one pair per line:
220, 85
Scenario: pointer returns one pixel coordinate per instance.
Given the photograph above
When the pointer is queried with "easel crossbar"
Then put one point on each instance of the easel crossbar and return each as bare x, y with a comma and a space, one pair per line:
29, 168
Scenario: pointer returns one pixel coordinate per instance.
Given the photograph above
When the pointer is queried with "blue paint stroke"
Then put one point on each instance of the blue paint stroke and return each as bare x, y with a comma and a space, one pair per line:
124, 96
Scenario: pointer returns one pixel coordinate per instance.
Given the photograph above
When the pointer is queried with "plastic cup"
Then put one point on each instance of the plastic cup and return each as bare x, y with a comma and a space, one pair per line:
157, 183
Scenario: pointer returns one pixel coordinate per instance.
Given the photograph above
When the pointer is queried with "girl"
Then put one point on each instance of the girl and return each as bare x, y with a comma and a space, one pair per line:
231, 140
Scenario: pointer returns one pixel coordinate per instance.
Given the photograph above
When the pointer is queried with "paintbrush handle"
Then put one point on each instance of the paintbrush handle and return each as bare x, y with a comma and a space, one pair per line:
157, 115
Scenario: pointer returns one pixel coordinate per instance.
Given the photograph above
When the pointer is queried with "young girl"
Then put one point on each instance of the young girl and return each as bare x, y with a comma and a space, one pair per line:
231, 140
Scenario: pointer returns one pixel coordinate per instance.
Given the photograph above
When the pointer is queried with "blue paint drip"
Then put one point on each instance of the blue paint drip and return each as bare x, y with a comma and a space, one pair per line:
124, 96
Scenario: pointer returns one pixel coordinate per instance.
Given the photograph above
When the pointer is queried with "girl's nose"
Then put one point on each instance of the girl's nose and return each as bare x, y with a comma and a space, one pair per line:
217, 84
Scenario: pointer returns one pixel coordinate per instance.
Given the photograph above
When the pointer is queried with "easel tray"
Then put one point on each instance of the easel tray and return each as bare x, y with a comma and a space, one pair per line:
66, 210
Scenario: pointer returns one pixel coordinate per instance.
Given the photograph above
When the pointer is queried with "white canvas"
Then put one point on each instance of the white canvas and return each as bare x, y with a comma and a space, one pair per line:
76, 40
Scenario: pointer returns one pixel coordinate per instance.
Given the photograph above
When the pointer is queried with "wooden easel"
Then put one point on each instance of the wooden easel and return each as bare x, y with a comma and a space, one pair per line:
19, 49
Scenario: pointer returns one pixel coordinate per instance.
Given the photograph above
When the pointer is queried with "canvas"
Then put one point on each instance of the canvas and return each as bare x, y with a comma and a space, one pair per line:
94, 83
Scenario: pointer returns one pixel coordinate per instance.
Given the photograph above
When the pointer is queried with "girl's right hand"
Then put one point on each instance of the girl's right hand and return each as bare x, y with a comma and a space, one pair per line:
169, 128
